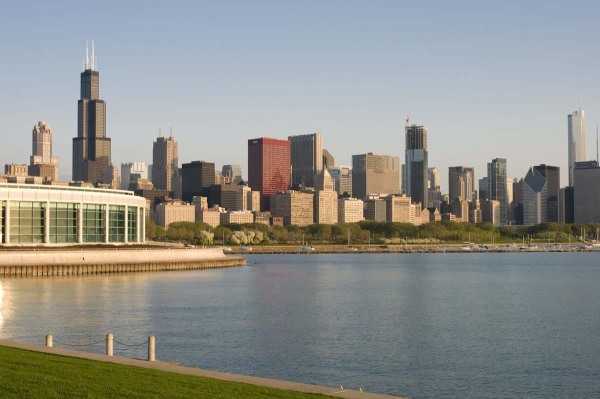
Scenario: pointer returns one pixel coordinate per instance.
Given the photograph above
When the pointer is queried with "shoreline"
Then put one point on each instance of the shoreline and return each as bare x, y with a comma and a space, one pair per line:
173, 367
405, 249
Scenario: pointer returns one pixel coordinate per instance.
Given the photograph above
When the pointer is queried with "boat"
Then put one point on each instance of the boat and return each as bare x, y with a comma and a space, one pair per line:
305, 247
245, 249
227, 249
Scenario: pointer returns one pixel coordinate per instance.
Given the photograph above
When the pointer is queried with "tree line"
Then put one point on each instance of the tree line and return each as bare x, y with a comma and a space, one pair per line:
366, 232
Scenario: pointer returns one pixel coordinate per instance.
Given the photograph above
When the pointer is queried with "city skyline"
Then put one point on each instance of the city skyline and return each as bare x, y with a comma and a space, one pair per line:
522, 99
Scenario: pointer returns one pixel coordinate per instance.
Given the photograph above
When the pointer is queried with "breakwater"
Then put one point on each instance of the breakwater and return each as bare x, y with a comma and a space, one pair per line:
408, 249
42, 263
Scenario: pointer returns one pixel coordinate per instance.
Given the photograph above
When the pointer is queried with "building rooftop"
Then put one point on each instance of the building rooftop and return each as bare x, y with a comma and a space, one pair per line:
47, 187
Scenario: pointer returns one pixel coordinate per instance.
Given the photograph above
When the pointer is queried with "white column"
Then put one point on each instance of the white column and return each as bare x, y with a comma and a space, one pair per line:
138, 227
143, 225
126, 224
47, 223
151, 348
109, 344
7, 223
106, 222
80, 223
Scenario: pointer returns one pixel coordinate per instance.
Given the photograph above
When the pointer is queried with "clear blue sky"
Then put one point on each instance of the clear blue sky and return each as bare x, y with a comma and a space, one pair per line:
488, 78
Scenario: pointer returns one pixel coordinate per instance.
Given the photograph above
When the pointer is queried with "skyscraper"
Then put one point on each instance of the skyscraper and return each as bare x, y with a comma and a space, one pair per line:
576, 137
375, 174
233, 173
328, 160
416, 168
165, 162
483, 188
497, 186
268, 167
306, 156
342, 179
552, 176
42, 163
434, 183
586, 187
196, 178
461, 183
535, 198
131, 169
91, 147
326, 199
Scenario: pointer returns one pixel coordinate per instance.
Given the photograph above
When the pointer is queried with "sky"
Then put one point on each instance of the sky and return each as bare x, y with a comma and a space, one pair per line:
489, 79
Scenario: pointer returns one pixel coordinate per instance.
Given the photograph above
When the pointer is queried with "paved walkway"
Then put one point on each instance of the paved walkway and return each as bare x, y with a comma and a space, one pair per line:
175, 368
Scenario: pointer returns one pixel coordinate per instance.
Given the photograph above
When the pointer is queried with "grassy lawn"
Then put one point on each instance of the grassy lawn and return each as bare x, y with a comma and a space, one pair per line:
25, 374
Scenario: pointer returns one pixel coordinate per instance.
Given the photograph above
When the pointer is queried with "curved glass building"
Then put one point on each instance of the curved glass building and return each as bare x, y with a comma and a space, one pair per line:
59, 215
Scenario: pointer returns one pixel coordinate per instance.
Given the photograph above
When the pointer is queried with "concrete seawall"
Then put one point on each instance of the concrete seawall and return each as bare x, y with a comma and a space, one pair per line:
38, 263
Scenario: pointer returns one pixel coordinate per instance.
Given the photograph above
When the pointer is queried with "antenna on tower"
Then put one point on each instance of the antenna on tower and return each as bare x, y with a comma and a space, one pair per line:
597, 143
580, 102
171, 132
93, 57
86, 65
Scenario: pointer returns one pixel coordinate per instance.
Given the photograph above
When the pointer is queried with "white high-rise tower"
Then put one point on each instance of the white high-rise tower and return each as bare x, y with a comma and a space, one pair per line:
576, 123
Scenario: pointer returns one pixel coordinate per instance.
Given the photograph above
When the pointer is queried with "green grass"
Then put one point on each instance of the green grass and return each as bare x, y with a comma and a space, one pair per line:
25, 374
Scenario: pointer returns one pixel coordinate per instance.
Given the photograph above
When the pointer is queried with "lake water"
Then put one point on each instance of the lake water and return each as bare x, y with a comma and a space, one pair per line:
417, 325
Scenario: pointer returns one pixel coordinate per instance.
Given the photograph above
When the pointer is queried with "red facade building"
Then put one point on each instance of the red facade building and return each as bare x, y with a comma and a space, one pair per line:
269, 169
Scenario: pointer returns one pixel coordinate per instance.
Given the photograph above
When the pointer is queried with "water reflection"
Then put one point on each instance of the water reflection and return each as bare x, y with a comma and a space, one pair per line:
420, 325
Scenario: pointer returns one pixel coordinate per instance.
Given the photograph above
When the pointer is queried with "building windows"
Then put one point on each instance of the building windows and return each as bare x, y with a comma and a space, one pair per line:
27, 222
63, 222
132, 224
116, 223
57, 215
94, 218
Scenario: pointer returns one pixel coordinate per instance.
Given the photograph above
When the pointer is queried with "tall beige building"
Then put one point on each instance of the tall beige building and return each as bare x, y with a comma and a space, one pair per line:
398, 209
326, 207
375, 174
253, 201
212, 216
350, 210
326, 199
294, 207
42, 163
174, 211
165, 162
237, 217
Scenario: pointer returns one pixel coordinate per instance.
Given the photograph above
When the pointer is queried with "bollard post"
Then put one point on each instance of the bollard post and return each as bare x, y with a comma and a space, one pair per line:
49, 341
151, 348
109, 344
